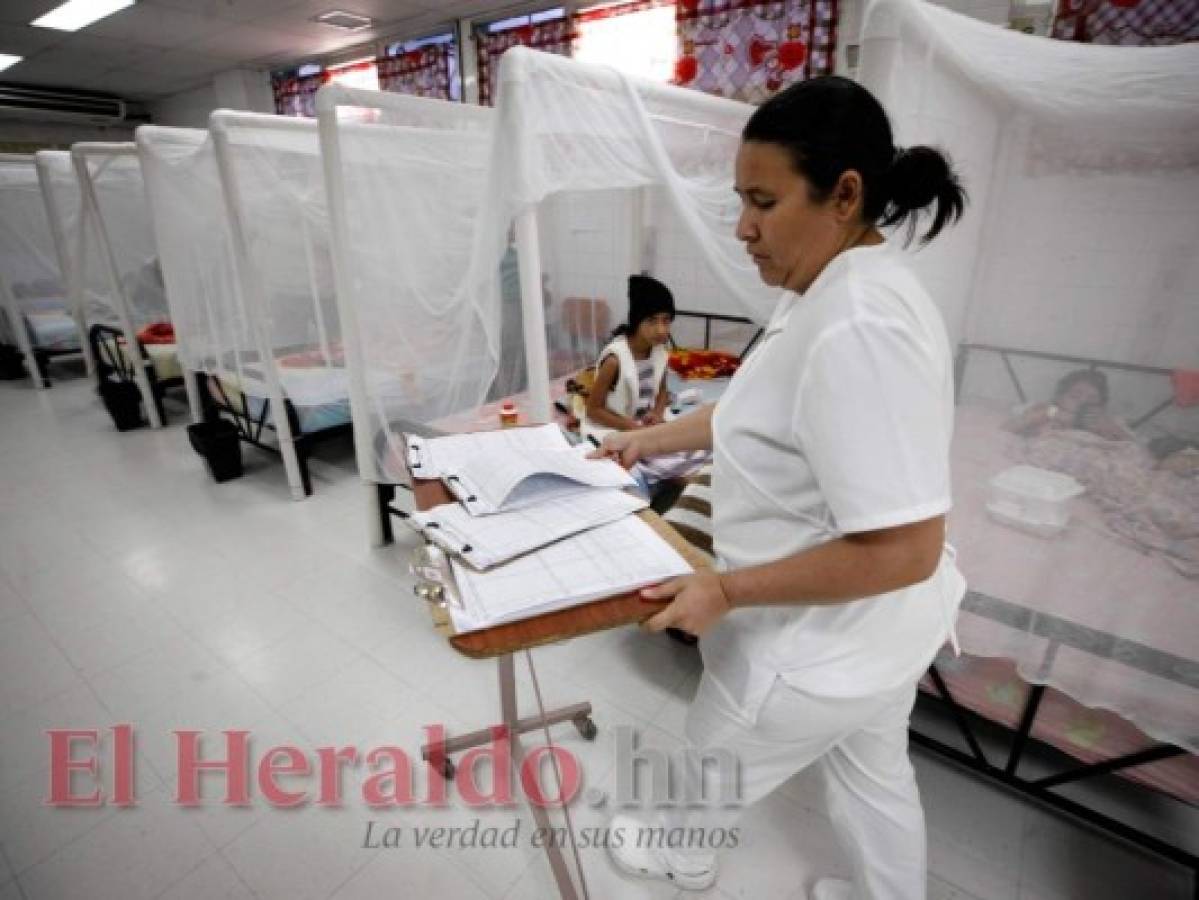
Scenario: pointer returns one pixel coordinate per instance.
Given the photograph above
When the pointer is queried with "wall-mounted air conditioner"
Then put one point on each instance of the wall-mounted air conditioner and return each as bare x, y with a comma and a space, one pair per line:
23, 102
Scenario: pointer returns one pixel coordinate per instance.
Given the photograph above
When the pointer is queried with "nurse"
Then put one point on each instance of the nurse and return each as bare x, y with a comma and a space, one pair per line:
830, 487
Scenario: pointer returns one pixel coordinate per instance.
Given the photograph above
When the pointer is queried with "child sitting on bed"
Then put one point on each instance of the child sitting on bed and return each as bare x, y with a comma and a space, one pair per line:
630, 380
1079, 402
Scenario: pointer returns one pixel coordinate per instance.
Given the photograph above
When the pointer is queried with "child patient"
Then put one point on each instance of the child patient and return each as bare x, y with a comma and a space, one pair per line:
630, 376
630, 380
1079, 402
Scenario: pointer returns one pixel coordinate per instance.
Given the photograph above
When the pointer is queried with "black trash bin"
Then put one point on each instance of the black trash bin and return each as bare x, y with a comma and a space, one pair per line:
123, 401
218, 443
12, 363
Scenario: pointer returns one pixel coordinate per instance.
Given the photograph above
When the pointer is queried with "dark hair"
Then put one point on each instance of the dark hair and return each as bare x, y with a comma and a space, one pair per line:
830, 125
647, 297
1093, 377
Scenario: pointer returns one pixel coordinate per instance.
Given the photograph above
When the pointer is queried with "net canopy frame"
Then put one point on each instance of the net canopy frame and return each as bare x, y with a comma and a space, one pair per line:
480, 277
643, 170
30, 270
63, 201
405, 177
185, 198
116, 228
1075, 254
270, 174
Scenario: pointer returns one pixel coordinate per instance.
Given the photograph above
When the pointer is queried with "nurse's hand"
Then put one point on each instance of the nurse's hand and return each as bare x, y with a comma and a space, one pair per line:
697, 602
621, 446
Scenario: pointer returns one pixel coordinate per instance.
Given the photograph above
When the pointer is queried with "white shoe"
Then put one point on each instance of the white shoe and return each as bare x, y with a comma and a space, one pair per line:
832, 889
633, 857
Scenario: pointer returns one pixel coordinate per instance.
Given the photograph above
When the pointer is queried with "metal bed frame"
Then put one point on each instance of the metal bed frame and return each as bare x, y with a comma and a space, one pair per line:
1059, 633
251, 428
110, 362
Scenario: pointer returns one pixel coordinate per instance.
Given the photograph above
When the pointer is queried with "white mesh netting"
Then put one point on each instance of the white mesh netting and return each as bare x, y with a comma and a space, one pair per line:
1076, 255
31, 288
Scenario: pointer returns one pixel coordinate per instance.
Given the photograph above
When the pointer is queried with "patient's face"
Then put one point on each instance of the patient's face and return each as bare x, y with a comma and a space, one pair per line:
655, 330
1078, 395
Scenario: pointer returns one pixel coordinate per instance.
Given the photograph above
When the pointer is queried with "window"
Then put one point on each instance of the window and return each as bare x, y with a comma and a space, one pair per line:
639, 38
426, 67
545, 15
361, 73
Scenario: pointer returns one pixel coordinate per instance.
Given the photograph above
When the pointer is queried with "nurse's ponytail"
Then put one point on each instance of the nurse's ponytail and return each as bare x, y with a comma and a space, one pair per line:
830, 125
919, 178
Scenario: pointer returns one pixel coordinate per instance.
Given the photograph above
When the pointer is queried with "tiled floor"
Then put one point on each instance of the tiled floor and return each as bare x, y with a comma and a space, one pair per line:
132, 589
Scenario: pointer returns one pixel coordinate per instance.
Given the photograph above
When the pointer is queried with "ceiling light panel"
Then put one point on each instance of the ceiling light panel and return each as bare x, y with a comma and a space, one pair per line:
76, 14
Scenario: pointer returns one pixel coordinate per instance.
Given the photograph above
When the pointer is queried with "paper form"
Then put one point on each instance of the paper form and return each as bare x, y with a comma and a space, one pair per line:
606, 561
486, 541
512, 469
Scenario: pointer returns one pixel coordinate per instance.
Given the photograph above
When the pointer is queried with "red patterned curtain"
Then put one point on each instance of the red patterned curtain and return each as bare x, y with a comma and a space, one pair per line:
749, 51
296, 96
552, 37
424, 72
1130, 23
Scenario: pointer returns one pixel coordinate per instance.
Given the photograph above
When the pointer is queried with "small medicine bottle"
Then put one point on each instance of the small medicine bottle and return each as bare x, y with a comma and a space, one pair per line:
508, 414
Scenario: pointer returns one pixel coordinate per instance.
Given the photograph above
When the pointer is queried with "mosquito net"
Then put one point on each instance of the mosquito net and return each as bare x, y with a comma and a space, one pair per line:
406, 180
31, 289
114, 246
1070, 288
619, 176
485, 259
270, 171
183, 188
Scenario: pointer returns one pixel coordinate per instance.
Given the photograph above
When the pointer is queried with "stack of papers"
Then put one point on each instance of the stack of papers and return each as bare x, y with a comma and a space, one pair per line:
500, 471
537, 527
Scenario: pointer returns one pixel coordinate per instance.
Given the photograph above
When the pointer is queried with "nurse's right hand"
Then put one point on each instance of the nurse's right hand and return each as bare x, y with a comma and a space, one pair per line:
625, 447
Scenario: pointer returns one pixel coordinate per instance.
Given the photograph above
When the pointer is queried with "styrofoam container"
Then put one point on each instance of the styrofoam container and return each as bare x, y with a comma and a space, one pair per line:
1032, 498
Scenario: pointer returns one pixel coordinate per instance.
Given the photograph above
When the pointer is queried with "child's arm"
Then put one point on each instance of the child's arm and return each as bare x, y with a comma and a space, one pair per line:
597, 412
657, 415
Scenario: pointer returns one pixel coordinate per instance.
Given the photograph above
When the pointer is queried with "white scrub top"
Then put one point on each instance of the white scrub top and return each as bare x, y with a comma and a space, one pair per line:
838, 422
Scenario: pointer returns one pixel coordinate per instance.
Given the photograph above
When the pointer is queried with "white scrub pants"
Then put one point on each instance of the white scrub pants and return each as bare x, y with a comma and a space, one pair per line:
861, 744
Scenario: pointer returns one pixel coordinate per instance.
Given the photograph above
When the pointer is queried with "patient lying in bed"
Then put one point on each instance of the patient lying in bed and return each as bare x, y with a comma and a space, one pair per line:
1079, 403
1148, 499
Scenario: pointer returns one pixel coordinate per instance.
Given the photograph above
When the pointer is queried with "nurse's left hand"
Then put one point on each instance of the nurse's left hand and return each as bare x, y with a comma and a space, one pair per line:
697, 602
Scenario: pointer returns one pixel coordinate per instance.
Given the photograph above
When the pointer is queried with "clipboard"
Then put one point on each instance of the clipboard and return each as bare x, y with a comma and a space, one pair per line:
558, 625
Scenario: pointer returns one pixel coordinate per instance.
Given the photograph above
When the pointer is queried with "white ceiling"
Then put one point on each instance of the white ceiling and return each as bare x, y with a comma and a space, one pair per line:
161, 47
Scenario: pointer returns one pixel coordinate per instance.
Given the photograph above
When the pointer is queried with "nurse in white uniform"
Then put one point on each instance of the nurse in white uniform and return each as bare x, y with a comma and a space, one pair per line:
830, 488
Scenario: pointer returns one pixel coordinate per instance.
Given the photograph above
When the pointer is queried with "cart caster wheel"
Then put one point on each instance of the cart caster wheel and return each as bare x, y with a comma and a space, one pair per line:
586, 727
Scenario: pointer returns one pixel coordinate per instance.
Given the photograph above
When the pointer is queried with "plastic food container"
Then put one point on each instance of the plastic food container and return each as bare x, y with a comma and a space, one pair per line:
1033, 499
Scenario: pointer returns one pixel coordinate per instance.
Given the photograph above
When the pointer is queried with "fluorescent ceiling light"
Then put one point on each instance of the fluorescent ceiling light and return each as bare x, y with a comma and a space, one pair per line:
6, 61
347, 21
76, 14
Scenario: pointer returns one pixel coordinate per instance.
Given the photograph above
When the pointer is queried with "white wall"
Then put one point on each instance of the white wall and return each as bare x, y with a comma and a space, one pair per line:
851, 13
187, 110
235, 89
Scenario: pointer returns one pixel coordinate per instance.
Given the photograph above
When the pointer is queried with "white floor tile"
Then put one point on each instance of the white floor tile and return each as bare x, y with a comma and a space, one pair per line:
300, 853
974, 818
32, 667
1063, 861
11, 603
136, 853
417, 873
213, 879
24, 746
